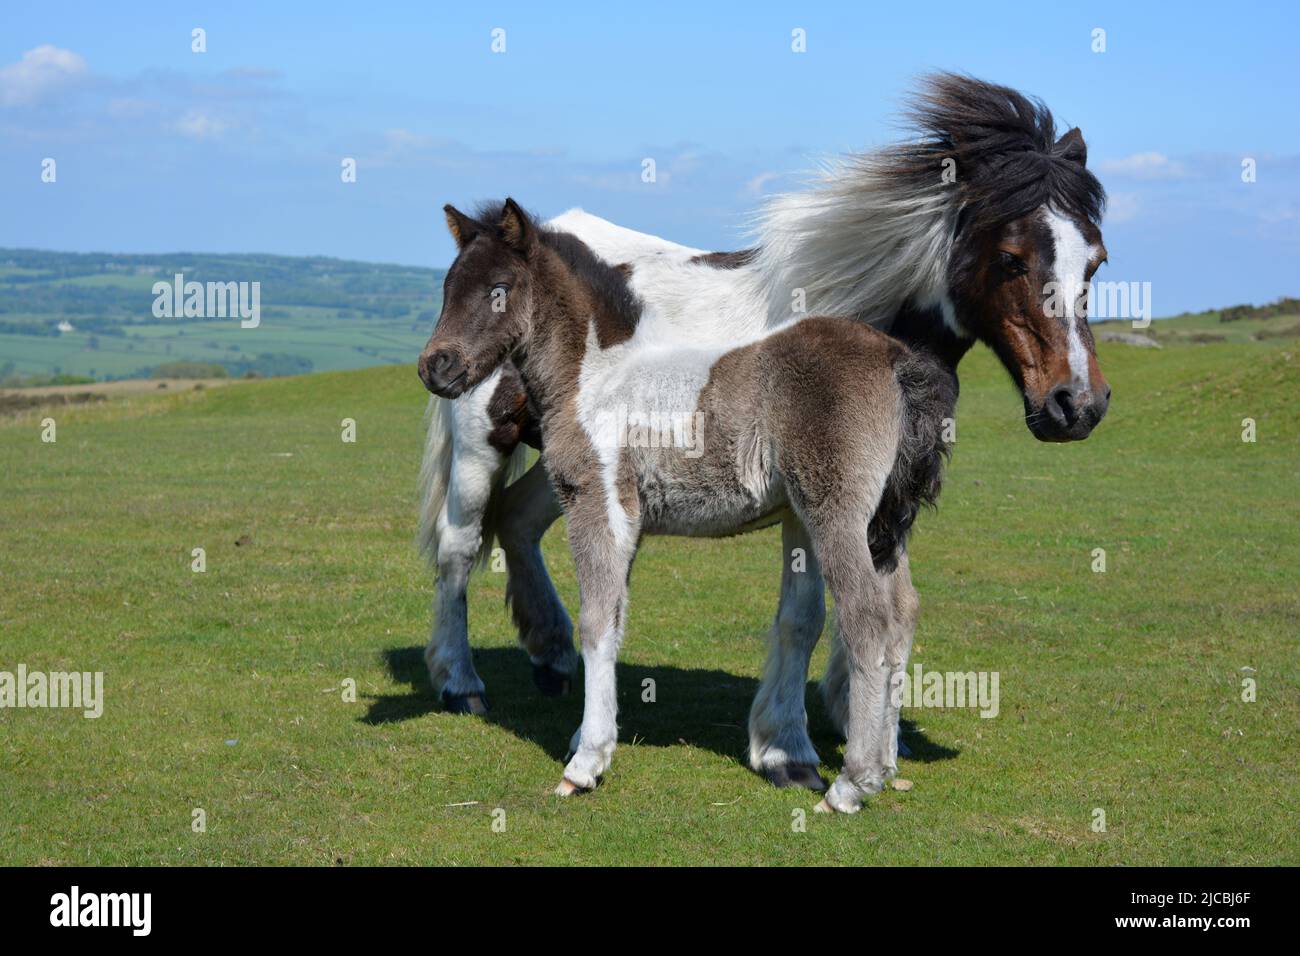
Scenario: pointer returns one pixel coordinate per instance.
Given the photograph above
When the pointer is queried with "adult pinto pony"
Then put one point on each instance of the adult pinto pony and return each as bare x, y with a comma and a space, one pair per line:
824, 422
966, 233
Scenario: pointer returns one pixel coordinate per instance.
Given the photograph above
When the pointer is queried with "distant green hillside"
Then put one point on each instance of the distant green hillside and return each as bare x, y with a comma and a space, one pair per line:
317, 314
1237, 323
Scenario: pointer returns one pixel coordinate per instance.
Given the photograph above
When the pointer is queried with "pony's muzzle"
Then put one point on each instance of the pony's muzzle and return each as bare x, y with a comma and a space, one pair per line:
444, 373
1069, 412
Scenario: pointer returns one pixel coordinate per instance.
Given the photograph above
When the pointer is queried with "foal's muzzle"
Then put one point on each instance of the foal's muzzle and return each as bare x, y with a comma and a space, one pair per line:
444, 373
1069, 412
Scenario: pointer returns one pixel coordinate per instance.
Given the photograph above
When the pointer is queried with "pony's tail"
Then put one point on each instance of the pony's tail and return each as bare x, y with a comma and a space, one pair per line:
929, 393
435, 476
435, 473
516, 465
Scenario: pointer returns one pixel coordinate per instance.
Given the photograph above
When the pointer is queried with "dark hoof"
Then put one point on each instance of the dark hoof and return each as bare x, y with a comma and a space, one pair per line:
475, 704
549, 681
796, 775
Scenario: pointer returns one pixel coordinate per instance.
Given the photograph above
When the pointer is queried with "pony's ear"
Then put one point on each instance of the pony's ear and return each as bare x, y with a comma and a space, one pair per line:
463, 228
516, 228
1072, 147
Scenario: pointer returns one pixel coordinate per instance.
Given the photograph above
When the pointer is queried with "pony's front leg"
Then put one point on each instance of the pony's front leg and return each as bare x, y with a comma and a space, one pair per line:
779, 746
528, 508
457, 535
603, 546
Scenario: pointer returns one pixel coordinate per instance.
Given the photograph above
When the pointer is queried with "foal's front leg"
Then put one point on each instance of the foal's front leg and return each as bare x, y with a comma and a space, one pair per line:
528, 508
603, 545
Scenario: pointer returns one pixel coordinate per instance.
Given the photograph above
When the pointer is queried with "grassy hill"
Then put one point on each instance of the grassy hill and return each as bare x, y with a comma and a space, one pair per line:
1119, 690
317, 314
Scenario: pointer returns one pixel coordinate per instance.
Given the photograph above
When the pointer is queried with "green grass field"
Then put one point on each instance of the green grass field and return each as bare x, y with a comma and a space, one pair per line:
1120, 691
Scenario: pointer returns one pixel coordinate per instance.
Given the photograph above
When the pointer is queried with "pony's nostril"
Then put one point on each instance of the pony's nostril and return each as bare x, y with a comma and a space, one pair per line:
441, 362
1063, 406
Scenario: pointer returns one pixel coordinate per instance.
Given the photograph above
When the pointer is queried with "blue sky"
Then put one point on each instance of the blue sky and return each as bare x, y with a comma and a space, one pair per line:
239, 148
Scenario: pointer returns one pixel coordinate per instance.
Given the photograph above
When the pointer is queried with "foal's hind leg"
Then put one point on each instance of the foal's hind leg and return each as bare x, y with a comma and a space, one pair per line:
779, 746
528, 508
862, 608
837, 521
904, 607
835, 683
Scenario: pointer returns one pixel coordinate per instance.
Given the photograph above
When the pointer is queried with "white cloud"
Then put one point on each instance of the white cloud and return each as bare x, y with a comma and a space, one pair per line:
198, 125
42, 71
1151, 165
1122, 207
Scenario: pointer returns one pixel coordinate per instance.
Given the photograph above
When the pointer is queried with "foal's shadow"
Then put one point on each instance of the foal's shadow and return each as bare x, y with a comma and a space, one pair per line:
658, 706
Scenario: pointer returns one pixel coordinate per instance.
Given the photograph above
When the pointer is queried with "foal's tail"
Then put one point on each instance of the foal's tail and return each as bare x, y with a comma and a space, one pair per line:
929, 391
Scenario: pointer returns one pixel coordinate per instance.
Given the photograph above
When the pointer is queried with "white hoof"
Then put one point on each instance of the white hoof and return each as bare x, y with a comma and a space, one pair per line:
568, 788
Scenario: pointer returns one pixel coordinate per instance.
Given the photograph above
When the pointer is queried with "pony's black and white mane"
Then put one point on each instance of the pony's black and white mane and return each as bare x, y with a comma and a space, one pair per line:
881, 231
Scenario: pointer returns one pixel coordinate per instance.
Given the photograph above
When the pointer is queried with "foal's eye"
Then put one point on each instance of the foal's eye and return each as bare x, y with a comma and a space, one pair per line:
1012, 264
500, 289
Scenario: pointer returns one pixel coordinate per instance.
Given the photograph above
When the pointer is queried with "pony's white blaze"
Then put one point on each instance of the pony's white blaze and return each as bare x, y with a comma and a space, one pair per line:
1072, 254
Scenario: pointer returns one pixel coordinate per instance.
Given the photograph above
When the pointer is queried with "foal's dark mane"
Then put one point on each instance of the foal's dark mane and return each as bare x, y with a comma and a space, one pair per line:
608, 284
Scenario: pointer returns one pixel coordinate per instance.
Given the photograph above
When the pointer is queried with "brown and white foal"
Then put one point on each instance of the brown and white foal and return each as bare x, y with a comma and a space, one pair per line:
823, 419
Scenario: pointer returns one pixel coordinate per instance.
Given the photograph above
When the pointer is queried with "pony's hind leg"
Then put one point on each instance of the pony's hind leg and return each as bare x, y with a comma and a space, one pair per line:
528, 508
779, 746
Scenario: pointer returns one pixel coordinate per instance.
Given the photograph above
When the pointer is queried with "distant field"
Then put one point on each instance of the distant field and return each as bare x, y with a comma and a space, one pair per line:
1120, 691
330, 314
329, 344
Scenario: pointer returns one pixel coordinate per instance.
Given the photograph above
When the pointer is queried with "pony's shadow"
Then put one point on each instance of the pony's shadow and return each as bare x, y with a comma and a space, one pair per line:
659, 706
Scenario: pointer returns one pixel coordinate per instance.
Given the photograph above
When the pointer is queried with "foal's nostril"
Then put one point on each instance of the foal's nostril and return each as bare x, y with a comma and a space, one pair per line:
441, 362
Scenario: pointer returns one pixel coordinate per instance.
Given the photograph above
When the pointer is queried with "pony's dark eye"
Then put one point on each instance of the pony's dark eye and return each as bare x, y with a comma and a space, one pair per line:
1012, 264
500, 289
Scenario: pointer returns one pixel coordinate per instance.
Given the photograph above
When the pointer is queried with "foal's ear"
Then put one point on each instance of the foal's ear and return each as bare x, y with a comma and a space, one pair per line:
463, 228
516, 228
1072, 147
